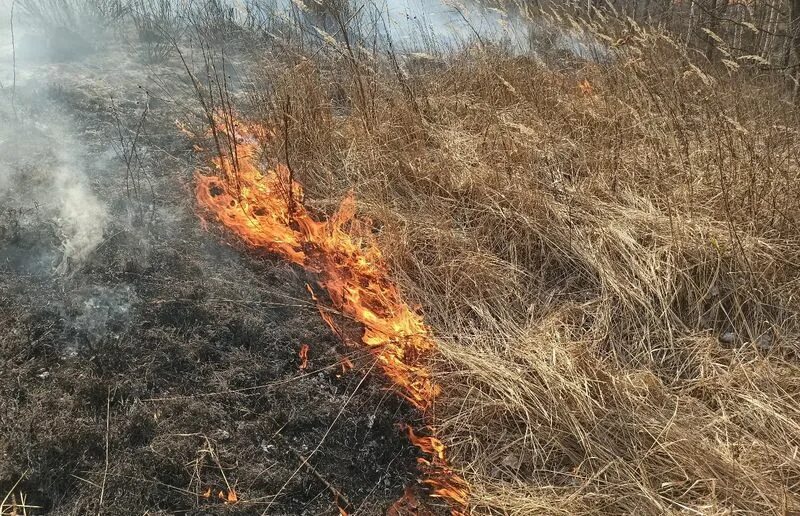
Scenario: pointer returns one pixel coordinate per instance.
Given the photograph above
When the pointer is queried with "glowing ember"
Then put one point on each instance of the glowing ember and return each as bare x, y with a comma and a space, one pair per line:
265, 209
303, 354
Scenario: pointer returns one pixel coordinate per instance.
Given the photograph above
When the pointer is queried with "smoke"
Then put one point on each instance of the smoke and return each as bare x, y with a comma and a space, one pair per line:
99, 312
81, 218
45, 191
44, 185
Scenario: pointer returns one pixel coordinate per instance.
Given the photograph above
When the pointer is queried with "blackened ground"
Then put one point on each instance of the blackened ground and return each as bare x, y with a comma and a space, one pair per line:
165, 367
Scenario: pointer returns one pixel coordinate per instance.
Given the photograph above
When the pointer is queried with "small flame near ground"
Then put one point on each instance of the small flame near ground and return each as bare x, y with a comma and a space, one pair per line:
229, 497
264, 207
303, 354
406, 506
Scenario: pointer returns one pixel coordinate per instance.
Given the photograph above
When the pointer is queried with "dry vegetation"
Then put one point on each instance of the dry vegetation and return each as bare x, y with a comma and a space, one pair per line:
607, 253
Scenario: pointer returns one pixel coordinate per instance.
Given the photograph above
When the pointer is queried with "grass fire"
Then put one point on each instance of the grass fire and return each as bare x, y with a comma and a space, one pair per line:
265, 209
399, 258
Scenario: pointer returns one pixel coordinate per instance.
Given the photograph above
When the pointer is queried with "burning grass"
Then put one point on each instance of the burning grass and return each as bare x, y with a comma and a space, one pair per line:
265, 209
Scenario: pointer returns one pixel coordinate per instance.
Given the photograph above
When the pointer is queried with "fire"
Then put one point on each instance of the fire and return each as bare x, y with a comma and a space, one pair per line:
586, 88
408, 505
439, 478
303, 354
342, 511
264, 207
230, 497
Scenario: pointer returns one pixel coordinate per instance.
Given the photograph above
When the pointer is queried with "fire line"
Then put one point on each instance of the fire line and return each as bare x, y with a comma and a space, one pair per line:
265, 209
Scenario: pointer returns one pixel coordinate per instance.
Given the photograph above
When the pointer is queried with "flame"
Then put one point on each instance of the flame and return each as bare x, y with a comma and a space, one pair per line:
303, 354
325, 314
230, 497
586, 88
342, 510
408, 505
440, 479
264, 207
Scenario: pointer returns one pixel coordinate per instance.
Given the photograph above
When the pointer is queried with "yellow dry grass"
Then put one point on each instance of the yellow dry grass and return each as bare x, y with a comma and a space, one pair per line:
607, 254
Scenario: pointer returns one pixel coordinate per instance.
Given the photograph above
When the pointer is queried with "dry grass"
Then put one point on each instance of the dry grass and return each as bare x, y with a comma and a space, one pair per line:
610, 270
607, 252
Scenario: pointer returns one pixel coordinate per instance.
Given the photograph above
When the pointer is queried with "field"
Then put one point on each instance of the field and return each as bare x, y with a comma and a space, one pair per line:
591, 226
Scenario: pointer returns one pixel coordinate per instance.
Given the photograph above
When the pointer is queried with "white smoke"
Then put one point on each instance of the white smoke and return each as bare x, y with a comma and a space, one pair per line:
81, 218
42, 170
43, 162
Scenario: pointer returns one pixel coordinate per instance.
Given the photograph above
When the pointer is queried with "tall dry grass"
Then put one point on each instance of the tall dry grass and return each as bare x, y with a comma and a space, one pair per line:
607, 253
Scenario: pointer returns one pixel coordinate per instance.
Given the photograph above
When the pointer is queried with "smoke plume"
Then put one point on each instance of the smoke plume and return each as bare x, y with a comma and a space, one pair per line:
43, 183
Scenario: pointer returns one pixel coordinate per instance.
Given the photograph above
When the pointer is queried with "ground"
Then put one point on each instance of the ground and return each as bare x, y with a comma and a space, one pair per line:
163, 369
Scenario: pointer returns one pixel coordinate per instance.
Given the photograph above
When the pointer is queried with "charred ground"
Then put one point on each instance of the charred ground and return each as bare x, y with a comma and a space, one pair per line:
164, 367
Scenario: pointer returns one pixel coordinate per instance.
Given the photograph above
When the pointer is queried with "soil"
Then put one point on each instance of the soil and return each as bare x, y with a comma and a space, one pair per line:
161, 373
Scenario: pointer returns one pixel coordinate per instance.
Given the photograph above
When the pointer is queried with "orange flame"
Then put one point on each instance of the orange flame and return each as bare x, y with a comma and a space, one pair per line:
230, 497
265, 209
439, 478
407, 505
342, 510
325, 314
303, 354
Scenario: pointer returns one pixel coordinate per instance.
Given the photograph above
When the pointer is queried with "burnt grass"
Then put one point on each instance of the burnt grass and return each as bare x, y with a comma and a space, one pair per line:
166, 364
